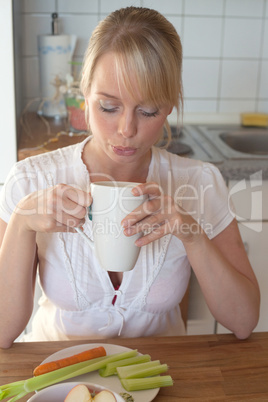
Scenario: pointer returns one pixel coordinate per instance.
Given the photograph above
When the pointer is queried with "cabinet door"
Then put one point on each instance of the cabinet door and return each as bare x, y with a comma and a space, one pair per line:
256, 243
250, 199
200, 320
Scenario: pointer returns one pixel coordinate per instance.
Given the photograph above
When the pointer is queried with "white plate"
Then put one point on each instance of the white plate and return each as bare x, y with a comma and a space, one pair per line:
58, 392
111, 382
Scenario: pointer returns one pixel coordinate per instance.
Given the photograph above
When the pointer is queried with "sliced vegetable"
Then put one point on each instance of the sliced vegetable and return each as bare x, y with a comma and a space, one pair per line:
110, 368
68, 361
45, 380
17, 397
138, 384
124, 371
141, 373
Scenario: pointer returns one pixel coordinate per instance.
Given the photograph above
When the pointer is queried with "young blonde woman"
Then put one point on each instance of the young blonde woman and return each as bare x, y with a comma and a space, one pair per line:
131, 82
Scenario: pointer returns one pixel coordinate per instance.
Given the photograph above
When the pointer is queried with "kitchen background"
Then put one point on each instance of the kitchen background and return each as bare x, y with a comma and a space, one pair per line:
225, 73
225, 45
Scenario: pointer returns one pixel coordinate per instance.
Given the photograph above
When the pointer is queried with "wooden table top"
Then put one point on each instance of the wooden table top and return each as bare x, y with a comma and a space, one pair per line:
203, 367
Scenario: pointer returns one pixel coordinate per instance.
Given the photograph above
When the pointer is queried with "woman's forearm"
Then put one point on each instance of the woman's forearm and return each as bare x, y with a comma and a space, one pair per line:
232, 297
17, 275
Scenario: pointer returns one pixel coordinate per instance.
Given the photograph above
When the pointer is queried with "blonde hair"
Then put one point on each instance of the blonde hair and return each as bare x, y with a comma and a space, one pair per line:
145, 43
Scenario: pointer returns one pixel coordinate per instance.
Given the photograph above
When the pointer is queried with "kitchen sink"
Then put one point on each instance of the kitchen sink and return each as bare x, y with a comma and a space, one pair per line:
249, 141
236, 142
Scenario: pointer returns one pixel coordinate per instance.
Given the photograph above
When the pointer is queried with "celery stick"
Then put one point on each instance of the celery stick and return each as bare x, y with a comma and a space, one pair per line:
110, 368
35, 383
17, 397
45, 380
3, 387
138, 384
124, 371
11, 389
147, 372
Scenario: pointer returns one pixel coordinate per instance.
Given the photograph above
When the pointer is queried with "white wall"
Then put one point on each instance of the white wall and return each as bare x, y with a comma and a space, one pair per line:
225, 46
7, 99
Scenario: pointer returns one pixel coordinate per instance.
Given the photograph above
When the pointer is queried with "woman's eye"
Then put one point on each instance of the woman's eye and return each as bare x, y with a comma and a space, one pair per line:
107, 110
107, 107
150, 114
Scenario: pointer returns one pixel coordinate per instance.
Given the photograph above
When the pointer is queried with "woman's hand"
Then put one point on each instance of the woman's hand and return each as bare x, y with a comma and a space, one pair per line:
56, 209
158, 216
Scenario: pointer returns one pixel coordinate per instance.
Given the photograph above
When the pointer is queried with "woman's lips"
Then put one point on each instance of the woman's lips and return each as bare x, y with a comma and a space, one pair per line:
124, 151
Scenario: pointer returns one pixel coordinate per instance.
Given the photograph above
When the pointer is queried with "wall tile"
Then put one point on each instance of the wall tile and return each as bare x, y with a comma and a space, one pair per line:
242, 38
263, 93
164, 7
265, 39
262, 106
82, 26
221, 74
38, 6
30, 84
200, 78
200, 106
78, 6
32, 26
204, 7
177, 23
239, 79
236, 106
202, 37
107, 6
244, 8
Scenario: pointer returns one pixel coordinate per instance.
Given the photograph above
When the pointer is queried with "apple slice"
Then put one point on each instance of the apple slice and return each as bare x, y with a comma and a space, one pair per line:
104, 396
79, 393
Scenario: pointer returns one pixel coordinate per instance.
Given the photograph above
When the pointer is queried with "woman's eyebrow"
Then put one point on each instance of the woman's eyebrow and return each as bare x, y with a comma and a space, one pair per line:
118, 99
107, 95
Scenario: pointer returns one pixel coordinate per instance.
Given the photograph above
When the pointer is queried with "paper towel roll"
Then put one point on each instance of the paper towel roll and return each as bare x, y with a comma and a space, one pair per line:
55, 54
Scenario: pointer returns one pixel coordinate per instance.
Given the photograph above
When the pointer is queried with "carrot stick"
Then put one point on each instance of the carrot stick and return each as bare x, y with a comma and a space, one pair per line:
68, 361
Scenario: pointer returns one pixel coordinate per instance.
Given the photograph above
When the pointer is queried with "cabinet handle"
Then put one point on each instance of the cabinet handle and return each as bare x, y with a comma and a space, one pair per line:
246, 246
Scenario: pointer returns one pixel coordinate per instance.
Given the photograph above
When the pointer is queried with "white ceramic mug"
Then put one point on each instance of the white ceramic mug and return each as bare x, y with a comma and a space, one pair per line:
113, 201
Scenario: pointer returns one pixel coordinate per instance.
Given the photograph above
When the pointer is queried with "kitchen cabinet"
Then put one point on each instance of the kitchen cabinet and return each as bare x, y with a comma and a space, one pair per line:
252, 215
200, 320
257, 247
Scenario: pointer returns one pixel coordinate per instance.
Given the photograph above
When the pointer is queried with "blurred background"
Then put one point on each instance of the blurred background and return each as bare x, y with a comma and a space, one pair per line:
225, 45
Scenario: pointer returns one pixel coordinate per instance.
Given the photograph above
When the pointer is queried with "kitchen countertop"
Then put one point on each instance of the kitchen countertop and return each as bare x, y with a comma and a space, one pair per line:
244, 169
234, 164
39, 135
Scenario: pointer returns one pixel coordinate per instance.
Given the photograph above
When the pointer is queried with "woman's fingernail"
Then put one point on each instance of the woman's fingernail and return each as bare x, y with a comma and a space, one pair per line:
135, 191
128, 231
124, 224
138, 242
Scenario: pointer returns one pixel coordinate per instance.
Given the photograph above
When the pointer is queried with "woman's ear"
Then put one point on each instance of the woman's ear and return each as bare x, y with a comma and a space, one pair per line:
170, 110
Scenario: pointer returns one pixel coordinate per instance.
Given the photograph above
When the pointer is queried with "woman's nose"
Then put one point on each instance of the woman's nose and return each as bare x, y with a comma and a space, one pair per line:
127, 125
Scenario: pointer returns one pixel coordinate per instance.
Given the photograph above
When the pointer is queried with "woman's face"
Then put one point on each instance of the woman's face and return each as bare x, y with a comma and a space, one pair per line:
122, 128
